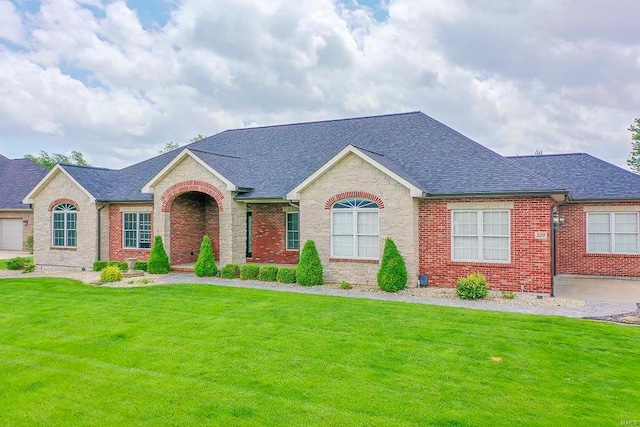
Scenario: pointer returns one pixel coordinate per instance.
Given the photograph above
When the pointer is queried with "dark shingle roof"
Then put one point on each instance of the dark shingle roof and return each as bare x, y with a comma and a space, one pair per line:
17, 178
586, 177
272, 160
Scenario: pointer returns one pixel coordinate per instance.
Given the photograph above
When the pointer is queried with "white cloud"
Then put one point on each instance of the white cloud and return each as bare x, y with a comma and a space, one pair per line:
10, 23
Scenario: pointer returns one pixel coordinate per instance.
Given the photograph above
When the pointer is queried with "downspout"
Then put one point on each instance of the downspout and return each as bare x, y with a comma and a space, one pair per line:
99, 233
553, 241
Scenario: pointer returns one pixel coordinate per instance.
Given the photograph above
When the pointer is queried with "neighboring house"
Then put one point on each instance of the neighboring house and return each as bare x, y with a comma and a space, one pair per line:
17, 178
451, 205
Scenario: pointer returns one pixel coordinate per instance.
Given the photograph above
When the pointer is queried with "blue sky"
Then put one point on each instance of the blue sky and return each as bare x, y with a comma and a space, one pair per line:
117, 80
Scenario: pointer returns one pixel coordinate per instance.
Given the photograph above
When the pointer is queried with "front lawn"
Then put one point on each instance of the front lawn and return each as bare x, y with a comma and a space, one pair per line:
74, 354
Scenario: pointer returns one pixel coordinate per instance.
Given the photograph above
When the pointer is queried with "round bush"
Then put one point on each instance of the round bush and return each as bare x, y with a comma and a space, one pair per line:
249, 271
474, 286
268, 273
230, 271
287, 275
392, 275
111, 274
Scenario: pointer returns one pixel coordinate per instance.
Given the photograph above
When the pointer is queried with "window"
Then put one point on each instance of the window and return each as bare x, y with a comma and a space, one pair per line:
481, 236
65, 222
137, 230
293, 231
612, 233
354, 229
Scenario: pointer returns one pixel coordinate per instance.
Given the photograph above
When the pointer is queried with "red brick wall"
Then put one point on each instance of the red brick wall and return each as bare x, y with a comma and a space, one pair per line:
572, 256
530, 263
116, 237
269, 235
192, 216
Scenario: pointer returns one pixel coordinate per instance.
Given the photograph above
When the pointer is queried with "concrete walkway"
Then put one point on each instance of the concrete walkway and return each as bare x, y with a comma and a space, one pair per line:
594, 288
590, 309
13, 254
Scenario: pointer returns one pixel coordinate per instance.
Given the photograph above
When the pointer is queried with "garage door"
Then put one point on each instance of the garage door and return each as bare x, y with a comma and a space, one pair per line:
11, 234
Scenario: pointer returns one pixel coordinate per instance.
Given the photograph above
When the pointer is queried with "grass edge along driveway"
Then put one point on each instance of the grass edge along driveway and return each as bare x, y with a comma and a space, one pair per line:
75, 354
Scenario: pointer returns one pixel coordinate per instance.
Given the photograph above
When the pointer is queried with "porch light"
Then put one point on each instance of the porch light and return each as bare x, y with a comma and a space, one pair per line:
558, 220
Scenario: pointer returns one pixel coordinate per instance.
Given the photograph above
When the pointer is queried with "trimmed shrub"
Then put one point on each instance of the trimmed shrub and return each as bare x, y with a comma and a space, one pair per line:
474, 286
249, 271
309, 271
392, 275
206, 263
99, 265
287, 275
122, 265
30, 243
17, 263
111, 273
345, 285
141, 265
268, 273
230, 271
158, 260
29, 267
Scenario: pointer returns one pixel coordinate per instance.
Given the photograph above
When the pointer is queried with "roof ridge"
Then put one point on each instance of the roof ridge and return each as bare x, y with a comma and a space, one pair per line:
88, 167
324, 121
215, 154
546, 155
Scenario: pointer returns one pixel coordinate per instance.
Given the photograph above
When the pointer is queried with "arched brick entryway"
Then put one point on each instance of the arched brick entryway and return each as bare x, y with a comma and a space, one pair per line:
194, 211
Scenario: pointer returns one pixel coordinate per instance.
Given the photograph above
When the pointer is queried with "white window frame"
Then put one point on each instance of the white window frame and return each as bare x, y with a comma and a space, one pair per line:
287, 231
480, 256
137, 230
612, 233
66, 210
354, 211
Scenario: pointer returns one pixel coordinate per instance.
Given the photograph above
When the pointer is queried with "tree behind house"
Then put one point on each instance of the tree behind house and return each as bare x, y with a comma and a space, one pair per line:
634, 157
158, 260
48, 161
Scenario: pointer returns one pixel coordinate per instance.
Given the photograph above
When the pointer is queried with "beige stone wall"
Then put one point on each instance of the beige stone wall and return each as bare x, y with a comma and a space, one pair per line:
104, 232
84, 254
398, 219
232, 214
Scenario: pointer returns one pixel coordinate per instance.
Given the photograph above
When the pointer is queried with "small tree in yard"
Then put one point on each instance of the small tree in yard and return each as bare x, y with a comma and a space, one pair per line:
206, 263
309, 271
392, 275
158, 260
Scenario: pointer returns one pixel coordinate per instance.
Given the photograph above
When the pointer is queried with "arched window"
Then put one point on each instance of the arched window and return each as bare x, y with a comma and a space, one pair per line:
354, 229
65, 222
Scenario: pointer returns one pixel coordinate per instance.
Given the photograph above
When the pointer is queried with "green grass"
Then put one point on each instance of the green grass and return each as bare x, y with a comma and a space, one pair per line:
73, 354
3, 262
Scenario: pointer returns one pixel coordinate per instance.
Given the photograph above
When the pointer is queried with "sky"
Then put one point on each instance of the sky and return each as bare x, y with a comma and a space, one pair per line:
118, 80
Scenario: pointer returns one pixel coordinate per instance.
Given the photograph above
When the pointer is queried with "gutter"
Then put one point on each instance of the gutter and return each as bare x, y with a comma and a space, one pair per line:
553, 209
502, 194
98, 233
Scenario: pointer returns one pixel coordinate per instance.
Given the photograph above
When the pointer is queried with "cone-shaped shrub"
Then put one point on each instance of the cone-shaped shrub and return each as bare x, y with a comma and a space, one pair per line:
309, 271
158, 260
206, 263
392, 275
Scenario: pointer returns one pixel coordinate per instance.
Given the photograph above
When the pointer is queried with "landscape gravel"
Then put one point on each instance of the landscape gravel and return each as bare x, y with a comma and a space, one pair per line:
521, 303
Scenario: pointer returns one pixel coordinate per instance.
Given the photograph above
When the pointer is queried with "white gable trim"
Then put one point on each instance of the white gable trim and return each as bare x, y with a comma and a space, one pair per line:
350, 149
173, 163
30, 198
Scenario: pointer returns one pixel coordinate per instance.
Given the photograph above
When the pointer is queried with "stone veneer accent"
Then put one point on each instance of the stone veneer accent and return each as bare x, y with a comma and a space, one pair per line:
572, 256
84, 254
397, 220
530, 263
232, 215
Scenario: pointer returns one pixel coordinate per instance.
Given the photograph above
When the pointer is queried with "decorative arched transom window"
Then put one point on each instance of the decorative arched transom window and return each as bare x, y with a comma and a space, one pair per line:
65, 222
354, 229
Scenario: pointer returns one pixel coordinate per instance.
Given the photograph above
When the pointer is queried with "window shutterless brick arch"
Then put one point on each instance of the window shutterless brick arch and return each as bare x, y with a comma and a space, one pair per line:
59, 201
349, 194
187, 186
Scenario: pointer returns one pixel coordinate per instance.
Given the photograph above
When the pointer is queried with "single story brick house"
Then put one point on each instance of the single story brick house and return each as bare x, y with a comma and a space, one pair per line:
17, 178
451, 205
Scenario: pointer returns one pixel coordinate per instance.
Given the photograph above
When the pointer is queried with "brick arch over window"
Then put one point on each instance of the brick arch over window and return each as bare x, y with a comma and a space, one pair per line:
350, 194
187, 186
59, 201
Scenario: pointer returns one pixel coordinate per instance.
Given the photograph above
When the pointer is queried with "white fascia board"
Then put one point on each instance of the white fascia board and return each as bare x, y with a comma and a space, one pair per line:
30, 198
173, 163
350, 149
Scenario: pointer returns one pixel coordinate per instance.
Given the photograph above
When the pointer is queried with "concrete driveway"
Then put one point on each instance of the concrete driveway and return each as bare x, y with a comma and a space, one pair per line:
13, 254
596, 288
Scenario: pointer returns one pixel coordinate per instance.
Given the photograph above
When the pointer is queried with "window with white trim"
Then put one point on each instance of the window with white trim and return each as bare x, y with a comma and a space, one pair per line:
482, 236
293, 231
64, 226
136, 228
354, 229
612, 232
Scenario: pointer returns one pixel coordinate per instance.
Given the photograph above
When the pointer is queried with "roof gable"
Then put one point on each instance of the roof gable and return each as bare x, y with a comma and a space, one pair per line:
57, 169
17, 177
